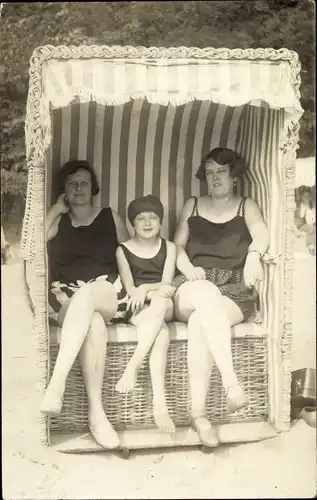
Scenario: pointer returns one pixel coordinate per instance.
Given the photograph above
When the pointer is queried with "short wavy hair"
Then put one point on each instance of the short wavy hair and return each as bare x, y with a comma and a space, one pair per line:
223, 156
71, 167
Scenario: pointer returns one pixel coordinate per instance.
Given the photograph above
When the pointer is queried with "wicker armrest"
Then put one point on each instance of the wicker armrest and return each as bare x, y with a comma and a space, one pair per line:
122, 333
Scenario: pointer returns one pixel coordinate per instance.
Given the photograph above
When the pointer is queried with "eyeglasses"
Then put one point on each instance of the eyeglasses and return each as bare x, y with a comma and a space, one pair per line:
77, 184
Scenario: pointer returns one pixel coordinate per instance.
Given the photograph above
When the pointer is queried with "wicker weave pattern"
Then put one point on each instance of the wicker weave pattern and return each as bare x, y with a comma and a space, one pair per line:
135, 410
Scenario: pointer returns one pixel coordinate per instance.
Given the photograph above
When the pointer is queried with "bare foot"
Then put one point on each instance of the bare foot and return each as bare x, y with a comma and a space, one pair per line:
53, 401
102, 430
128, 380
164, 422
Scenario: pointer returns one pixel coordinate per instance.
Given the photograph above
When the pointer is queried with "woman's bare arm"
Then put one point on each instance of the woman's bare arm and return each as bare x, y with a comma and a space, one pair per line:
54, 216
122, 232
52, 221
257, 227
181, 237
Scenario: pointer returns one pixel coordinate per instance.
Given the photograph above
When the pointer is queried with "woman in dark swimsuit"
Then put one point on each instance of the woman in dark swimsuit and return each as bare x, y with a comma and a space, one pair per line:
85, 291
221, 239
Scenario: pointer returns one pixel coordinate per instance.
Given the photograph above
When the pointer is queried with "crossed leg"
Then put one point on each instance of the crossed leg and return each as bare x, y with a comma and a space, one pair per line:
158, 361
210, 317
153, 337
84, 332
149, 322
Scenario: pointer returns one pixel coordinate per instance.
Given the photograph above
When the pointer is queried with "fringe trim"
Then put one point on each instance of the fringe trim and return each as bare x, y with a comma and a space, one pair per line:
84, 94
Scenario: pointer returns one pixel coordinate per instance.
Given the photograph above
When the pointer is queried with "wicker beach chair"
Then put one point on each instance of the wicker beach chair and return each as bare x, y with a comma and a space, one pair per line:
144, 117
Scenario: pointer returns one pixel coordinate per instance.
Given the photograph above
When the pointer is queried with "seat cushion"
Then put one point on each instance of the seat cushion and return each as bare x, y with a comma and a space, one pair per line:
178, 331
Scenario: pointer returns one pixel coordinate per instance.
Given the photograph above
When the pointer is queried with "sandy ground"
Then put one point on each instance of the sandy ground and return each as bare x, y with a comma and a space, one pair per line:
281, 467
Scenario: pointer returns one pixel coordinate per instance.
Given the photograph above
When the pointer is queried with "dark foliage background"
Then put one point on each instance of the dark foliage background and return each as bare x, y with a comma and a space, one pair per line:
232, 24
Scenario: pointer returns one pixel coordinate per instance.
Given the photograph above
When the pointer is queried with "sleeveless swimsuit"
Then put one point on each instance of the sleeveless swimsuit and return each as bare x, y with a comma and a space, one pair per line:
80, 255
145, 270
221, 250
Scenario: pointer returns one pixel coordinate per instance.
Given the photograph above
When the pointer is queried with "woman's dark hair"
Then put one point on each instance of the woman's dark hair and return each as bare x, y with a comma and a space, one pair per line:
223, 156
308, 190
71, 167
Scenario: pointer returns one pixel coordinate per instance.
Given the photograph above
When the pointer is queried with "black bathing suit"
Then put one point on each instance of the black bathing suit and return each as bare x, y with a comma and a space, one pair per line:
79, 255
221, 250
146, 270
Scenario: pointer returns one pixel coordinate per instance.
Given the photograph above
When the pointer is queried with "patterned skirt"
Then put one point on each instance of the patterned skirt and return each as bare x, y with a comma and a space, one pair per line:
231, 284
59, 293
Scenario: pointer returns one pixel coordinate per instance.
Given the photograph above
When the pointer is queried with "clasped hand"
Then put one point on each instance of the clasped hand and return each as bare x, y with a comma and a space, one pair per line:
137, 298
253, 270
195, 273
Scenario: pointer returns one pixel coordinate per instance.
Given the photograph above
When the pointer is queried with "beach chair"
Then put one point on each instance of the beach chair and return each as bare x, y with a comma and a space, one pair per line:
144, 117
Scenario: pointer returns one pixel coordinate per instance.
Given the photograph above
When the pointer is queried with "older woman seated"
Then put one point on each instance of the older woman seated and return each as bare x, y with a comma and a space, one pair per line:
221, 238
85, 291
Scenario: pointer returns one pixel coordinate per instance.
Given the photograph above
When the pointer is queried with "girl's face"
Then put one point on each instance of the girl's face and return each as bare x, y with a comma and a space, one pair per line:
78, 188
147, 225
218, 178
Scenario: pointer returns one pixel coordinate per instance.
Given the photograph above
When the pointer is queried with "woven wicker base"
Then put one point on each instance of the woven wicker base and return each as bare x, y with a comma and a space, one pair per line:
134, 411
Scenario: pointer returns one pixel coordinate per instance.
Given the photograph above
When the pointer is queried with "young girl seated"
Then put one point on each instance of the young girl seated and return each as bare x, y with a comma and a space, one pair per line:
146, 265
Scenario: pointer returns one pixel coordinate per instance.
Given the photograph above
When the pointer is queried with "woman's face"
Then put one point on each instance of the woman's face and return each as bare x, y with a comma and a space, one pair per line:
147, 225
306, 198
218, 178
78, 188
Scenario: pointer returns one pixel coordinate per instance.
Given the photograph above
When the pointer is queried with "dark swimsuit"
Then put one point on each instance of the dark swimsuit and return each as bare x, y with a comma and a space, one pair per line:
221, 250
146, 270
79, 255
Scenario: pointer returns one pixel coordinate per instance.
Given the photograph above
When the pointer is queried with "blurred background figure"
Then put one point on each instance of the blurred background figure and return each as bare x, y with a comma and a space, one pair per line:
305, 216
6, 251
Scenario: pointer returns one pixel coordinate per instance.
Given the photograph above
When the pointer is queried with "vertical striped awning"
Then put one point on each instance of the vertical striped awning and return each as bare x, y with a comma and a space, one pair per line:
234, 83
116, 81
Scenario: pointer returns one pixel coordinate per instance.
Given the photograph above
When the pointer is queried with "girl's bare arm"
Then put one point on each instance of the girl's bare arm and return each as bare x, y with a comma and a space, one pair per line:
125, 271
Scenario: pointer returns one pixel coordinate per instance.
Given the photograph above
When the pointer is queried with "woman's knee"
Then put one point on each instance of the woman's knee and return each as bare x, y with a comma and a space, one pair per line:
103, 297
195, 295
85, 296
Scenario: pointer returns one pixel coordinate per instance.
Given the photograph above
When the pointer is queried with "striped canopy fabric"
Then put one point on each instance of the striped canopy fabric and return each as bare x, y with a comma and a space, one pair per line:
116, 81
112, 82
139, 148
145, 124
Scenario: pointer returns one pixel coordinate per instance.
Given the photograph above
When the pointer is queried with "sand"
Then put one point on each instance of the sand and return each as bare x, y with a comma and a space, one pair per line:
281, 467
